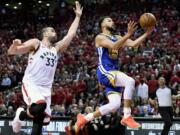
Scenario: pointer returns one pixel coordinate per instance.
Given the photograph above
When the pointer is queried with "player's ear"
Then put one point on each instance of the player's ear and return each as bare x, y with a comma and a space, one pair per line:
45, 34
102, 24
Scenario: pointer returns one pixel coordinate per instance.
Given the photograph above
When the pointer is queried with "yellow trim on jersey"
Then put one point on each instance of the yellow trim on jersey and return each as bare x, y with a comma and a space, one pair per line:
113, 92
110, 78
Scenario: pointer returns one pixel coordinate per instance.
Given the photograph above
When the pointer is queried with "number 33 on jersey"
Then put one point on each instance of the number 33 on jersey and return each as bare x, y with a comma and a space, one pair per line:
41, 66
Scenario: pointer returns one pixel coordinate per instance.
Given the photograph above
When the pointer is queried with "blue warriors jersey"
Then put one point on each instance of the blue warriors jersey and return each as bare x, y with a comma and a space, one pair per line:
108, 57
108, 66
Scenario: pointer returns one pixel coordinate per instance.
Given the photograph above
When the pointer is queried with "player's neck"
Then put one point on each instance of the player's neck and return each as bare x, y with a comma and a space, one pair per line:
106, 32
46, 43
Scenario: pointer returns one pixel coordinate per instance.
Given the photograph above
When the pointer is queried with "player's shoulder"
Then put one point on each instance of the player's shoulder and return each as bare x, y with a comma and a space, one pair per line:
35, 43
102, 36
35, 40
98, 36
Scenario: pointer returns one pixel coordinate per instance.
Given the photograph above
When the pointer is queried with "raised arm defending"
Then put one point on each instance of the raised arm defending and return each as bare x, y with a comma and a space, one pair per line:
64, 43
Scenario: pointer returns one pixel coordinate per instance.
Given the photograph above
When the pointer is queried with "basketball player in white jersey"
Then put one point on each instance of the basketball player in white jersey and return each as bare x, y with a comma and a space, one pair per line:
39, 74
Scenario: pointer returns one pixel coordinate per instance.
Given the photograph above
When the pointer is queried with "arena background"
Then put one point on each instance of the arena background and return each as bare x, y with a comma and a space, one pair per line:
75, 88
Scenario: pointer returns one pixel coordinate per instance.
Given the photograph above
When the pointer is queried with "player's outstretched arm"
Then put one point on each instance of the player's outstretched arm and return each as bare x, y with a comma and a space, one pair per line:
102, 41
139, 40
64, 43
17, 47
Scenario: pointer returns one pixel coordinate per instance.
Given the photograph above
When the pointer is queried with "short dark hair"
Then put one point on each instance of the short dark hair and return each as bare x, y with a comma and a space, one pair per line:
43, 30
102, 19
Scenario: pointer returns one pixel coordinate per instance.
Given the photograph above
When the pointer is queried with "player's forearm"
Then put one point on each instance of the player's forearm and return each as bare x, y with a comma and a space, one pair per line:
63, 44
17, 50
139, 40
74, 26
121, 41
20, 48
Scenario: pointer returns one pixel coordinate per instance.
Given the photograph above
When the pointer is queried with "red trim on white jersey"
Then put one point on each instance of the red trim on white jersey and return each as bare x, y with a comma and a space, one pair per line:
40, 101
24, 89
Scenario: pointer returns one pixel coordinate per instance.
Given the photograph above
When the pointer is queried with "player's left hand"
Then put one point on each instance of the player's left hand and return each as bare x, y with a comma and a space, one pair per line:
78, 10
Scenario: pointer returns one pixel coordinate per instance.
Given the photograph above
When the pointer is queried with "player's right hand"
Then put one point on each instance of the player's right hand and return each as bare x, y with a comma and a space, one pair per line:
17, 42
131, 27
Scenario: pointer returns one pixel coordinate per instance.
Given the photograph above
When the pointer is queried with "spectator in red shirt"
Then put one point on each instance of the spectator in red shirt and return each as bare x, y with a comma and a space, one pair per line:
80, 86
174, 79
60, 96
152, 84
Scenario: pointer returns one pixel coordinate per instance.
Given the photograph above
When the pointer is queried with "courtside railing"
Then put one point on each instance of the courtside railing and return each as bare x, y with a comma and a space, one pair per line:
150, 126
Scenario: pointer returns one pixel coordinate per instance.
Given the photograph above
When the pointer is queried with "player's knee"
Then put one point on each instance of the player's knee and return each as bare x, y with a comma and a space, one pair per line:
114, 106
108, 108
105, 109
36, 109
132, 81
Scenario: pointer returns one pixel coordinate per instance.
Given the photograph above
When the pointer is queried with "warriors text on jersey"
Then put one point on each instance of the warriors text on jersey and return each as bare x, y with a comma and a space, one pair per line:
41, 66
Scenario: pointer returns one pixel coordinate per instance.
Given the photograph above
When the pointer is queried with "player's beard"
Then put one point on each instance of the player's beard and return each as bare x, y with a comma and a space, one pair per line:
112, 29
52, 39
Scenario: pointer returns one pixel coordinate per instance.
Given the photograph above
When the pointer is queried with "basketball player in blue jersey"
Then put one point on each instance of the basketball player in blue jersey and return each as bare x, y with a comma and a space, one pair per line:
107, 46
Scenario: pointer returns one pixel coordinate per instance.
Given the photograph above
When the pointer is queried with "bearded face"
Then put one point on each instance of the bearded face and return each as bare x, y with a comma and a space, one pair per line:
112, 28
50, 34
108, 23
52, 39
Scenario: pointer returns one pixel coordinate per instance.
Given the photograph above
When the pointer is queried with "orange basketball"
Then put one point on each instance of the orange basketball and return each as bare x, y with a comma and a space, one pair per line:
147, 20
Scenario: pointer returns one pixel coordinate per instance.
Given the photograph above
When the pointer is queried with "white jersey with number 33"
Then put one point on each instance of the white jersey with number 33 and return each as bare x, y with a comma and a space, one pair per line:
41, 66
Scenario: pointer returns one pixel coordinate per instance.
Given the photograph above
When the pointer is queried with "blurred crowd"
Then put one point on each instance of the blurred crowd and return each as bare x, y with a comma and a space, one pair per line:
75, 87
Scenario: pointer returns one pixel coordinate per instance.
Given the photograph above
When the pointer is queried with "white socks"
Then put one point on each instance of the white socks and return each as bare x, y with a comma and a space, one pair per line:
89, 117
127, 112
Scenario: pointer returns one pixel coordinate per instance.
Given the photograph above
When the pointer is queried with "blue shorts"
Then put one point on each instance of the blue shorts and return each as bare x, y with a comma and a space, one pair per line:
107, 78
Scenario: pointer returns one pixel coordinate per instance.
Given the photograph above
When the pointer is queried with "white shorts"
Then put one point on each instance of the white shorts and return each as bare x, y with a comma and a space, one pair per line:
37, 94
